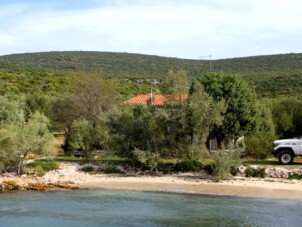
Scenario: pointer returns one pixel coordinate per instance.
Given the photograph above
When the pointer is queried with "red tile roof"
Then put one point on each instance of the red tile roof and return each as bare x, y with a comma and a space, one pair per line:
158, 99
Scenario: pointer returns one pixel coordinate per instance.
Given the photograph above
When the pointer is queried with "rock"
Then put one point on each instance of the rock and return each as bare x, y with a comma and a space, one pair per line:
38, 186
275, 172
241, 169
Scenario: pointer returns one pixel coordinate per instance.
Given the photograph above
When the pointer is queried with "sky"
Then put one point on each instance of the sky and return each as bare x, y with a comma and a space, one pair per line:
192, 29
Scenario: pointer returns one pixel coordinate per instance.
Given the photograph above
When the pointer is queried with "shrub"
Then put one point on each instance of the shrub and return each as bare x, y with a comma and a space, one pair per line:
222, 166
110, 170
223, 163
259, 145
146, 158
188, 165
139, 156
295, 176
87, 169
196, 152
152, 160
26, 170
255, 172
40, 171
50, 165
166, 168
45, 164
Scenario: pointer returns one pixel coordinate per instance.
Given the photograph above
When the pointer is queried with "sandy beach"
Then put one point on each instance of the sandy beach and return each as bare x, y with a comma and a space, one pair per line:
185, 183
234, 187
178, 183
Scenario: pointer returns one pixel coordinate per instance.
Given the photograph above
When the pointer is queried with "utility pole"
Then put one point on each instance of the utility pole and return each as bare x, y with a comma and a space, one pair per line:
208, 56
151, 97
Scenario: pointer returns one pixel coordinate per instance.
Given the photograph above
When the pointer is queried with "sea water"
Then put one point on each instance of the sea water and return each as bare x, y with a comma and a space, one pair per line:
132, 208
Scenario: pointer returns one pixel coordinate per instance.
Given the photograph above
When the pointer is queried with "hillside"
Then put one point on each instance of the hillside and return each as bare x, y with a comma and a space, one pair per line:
270, 74
145, 66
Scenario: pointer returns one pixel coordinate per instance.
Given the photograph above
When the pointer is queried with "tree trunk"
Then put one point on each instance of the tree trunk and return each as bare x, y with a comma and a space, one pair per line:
21, 164
20, 167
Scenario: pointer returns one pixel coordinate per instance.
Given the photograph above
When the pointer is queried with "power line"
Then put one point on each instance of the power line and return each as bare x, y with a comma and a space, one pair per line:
208, 56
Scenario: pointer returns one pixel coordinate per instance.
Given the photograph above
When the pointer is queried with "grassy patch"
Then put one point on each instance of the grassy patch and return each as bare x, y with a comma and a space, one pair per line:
87, 169
295, 176
46, 165
40, 171
111, 170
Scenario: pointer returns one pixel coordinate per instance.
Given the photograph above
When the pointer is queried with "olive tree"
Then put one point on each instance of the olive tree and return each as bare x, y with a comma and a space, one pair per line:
176, 82
204, 113
87, 96
18, 142
12, 110
287, 116
82, 136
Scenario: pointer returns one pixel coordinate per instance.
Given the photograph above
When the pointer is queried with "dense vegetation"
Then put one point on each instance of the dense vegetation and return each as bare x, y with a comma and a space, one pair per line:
271, 75
66, 91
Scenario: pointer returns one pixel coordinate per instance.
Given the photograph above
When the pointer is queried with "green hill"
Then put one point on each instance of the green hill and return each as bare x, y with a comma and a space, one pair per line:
271, 75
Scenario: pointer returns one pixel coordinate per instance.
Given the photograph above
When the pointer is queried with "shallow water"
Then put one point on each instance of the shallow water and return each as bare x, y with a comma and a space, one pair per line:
131, 208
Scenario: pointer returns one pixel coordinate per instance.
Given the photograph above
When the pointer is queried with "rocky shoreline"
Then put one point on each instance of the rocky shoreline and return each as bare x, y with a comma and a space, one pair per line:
62, 179
11, 185
70, 177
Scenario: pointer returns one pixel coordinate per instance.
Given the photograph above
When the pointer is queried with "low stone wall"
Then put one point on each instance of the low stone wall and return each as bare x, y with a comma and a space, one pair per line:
272, 172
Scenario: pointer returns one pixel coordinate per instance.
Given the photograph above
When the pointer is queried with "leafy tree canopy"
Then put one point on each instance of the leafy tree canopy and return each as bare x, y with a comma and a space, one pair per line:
18, 141
287, 116
12, 110
242, 111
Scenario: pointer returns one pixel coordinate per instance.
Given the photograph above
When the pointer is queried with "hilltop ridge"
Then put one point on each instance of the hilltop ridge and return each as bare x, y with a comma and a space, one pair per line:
270, 74
140, 65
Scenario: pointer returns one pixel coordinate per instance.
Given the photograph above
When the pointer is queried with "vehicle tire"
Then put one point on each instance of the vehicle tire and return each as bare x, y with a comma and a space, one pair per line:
286, 157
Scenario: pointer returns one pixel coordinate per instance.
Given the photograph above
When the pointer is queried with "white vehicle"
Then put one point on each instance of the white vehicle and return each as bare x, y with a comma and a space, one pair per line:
286, 150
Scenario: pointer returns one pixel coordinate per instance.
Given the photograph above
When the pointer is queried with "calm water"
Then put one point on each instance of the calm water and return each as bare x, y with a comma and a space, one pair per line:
128, 208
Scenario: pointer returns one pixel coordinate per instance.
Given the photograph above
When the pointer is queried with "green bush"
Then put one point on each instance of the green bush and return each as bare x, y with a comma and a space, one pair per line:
258, 172
259, 145
295, 176
110, 170
194, 152
45, 164
223, 163
50, 165
166, 168
139, 156
222, 166
40, 171
188, 165
146, 158
152, 160
87, 169
26, 170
